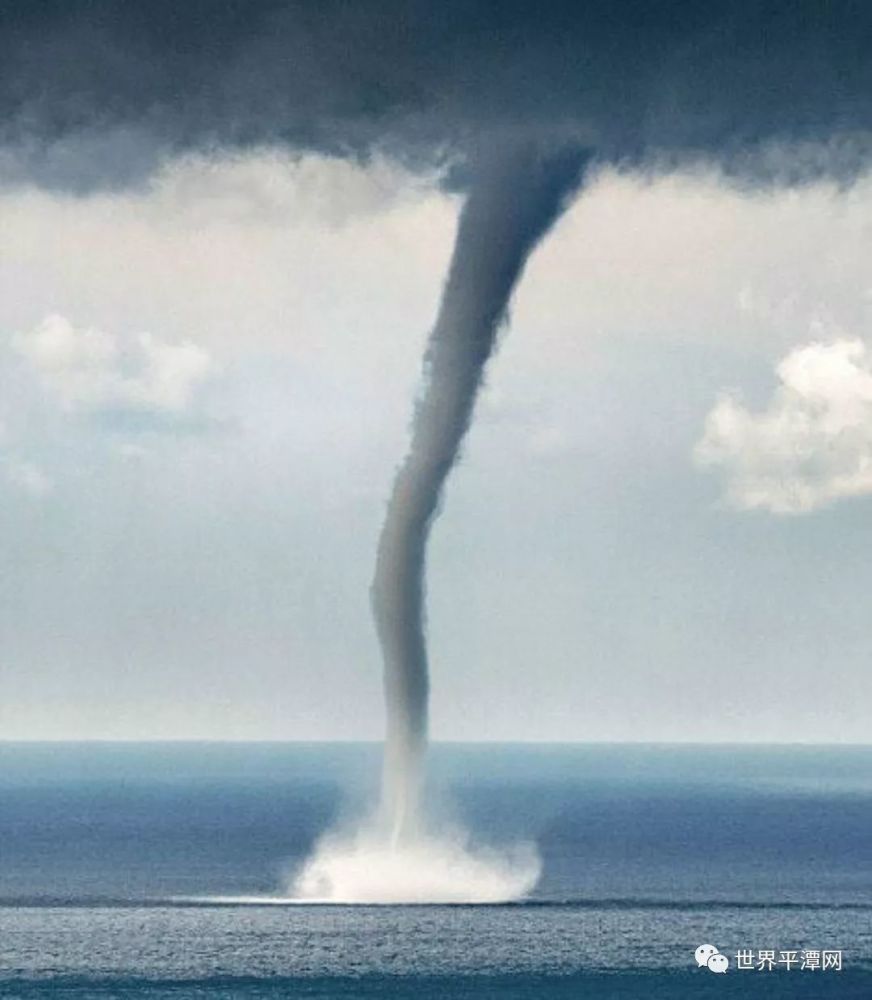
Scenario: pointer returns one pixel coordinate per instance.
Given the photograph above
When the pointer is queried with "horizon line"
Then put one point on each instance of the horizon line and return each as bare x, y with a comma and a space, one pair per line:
209, 741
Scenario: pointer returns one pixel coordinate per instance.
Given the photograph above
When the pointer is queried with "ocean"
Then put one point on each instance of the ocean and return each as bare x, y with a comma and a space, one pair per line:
152, 870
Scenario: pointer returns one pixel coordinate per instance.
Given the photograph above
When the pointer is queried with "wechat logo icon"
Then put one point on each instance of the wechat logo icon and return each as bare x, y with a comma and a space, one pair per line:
711, 958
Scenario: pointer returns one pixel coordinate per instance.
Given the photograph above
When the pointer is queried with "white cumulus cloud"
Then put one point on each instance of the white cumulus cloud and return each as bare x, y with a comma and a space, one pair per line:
91, 370
812, 445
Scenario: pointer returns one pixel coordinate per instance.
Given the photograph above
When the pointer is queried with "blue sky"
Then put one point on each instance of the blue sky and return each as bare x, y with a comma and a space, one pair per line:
658, 529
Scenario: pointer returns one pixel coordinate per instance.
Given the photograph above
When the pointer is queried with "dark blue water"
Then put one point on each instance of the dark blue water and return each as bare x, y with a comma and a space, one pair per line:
648, 852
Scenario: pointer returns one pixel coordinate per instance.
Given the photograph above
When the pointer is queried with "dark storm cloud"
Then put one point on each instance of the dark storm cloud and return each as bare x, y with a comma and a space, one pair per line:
97, 91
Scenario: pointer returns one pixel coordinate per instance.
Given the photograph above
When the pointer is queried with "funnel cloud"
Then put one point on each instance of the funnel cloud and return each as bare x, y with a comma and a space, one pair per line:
516, 196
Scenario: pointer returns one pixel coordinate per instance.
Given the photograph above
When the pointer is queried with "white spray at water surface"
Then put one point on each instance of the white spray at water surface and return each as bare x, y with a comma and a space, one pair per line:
438, 867
515, 197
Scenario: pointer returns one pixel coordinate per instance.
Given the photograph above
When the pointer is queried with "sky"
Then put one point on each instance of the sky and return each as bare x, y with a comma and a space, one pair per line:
658, 529
221, 250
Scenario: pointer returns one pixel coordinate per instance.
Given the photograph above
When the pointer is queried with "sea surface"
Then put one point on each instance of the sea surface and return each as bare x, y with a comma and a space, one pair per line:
114, 859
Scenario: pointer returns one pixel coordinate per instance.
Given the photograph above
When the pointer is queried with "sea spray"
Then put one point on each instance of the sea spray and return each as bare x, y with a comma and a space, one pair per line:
361, 867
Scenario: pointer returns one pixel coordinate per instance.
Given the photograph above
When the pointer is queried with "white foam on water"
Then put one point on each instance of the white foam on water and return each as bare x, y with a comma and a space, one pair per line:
364, 867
